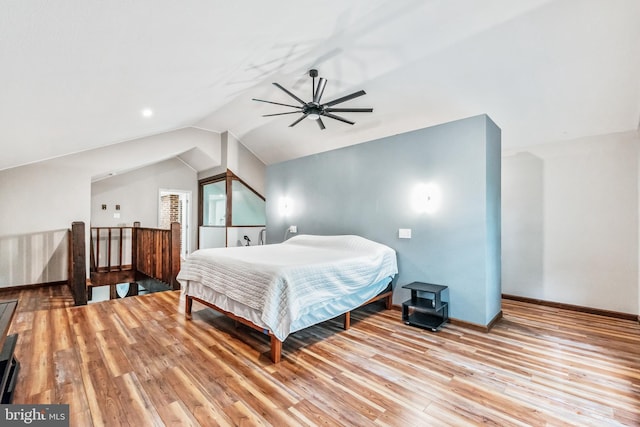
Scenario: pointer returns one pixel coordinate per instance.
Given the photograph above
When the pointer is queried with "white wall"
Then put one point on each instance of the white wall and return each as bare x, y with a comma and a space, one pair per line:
575, 202
212, 237
137, 193
522, 225
50, 195
43, 196
245, 164
222, 166
38, 202
235, 236
33, 258
239, 160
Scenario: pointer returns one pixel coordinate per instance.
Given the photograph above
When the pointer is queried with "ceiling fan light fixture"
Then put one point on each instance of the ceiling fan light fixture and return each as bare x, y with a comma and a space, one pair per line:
316, 109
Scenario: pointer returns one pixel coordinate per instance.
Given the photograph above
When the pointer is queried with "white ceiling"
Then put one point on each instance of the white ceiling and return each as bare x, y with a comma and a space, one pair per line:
75, 75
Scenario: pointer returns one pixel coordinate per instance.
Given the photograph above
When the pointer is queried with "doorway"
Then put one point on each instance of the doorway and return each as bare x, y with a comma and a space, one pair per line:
175, 206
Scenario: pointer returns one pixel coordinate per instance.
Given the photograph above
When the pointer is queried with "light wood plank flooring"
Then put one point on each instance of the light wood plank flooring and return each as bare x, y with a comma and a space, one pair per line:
137, 361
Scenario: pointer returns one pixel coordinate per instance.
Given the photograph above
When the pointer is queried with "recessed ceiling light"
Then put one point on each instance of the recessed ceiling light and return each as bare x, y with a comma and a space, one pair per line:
147, 112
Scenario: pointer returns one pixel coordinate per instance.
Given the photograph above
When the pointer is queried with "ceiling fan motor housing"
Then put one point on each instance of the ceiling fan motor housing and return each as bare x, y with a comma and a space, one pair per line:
312, 108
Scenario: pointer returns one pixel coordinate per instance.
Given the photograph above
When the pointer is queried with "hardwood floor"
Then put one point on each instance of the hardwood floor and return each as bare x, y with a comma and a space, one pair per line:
138, 361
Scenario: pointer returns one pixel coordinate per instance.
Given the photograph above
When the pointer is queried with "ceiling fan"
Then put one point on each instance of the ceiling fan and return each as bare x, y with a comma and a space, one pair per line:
314, 109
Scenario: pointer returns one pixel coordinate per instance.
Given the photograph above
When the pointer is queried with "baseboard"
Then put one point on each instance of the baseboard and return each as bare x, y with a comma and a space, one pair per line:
34, 286
476, 326
495, 320
589, 310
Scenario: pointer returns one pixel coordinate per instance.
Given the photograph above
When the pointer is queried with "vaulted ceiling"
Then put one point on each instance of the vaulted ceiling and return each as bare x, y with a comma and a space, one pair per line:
76, 75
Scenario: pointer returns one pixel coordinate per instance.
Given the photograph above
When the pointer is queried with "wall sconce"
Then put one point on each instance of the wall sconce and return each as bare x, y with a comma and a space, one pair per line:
104, 207
284, 206
426, 198
117, 207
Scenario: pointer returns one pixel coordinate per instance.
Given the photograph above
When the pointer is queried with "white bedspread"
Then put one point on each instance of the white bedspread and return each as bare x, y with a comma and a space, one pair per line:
285, 281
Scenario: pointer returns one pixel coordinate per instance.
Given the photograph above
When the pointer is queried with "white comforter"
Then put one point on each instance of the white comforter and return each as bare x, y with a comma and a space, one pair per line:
285, 281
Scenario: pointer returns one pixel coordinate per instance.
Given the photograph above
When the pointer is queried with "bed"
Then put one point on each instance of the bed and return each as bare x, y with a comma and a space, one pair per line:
282, 288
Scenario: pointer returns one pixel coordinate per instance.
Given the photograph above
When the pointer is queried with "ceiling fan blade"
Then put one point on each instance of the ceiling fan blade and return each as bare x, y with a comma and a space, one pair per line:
349, 110
342, 119
280, 114
319, 90
277, 103
320, 123
298, 121
290, 94
345, 98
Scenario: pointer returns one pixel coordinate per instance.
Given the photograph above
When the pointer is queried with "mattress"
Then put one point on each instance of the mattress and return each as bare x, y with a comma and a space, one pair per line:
285, 287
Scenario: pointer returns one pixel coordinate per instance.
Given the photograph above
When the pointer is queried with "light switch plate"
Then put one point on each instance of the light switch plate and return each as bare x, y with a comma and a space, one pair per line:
404, 233
116, 215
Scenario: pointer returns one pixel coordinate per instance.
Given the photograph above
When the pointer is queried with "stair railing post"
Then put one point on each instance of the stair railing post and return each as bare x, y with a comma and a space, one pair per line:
174, 247
78, 279
134, 247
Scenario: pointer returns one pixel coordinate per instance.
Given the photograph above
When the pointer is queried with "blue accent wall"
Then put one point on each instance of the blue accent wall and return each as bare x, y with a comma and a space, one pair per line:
494, 220
366, 189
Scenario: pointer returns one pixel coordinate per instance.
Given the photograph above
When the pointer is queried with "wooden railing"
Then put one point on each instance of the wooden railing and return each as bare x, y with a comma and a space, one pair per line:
156, 253
111, 248
123, 255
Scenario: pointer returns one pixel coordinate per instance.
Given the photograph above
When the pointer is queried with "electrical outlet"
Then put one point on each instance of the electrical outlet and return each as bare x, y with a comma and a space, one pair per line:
293, 229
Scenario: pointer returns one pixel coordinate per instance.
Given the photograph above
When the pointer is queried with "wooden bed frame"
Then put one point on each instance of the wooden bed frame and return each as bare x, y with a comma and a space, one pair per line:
276, 344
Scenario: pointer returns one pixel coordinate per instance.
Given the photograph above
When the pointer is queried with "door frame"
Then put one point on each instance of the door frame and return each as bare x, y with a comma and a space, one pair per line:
185, 226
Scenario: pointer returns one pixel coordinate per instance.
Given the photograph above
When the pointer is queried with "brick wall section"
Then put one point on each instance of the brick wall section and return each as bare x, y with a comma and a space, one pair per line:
170, 210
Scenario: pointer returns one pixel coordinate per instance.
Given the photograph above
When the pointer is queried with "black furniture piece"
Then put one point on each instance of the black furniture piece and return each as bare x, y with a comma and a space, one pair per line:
426, 311
9, 365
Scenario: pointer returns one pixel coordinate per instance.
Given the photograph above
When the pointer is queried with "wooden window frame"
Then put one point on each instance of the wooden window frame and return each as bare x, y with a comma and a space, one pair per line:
228, 177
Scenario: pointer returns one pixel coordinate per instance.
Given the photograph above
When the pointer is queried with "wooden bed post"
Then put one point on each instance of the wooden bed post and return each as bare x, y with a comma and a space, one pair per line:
276, 344
188, 305
276, 349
